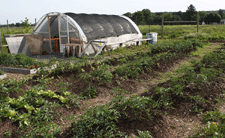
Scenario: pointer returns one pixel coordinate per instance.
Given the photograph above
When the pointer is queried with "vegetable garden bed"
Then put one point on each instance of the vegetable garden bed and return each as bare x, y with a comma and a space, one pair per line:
34, 105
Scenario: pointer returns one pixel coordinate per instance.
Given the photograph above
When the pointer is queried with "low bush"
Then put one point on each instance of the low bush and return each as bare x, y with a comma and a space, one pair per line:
2, 72
19, 60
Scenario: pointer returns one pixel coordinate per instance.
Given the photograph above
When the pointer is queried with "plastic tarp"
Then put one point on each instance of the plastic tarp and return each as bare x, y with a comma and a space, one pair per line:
97, 26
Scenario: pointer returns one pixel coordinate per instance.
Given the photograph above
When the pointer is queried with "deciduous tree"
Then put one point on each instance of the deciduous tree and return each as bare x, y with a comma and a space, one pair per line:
26, 24
139, 18
147, 15
128, 14
221, 13
212, 17
190, 13
202, 15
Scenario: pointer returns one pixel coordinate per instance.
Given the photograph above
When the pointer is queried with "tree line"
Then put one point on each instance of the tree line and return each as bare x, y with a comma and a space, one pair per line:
24, 23
15, 25
146, 17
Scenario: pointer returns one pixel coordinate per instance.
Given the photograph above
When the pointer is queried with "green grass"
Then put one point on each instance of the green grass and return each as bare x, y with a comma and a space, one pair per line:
13, 30
185, 31
215, 125
201, 51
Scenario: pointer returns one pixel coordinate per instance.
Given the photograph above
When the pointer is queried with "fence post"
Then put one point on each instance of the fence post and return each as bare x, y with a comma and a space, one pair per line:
162, 26
8, 25
197, 21
35, 21
1, 42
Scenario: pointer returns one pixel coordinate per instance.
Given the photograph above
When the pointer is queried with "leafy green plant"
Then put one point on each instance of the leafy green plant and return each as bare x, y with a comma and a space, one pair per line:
213, 116
7, 134
44, 81
137, 104
91, 92
26, 25
12, 85
97, 122
2, 72
44, 52
74, 100
49, 130
63, 86
144, 134
214, 130
19, 60
196, 100
85, 77
102, 74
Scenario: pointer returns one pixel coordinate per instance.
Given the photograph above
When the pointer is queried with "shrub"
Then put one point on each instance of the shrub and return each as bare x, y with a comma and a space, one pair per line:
18, 60
2, 72
102, 74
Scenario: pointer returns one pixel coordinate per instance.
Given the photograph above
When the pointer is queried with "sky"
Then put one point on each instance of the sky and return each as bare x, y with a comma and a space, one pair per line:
16, 10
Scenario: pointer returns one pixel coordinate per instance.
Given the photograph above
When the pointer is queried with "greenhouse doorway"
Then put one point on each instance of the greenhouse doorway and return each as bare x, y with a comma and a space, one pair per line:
59, 34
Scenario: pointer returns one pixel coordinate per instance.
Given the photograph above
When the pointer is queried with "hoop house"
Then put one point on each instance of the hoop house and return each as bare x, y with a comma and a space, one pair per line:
91, 31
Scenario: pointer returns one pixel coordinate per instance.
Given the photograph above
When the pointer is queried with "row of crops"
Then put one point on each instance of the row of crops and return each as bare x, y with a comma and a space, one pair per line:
193, 86
133, 63
35, 111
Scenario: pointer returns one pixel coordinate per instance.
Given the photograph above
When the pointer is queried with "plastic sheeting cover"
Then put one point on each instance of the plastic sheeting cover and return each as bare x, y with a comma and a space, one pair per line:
97, 26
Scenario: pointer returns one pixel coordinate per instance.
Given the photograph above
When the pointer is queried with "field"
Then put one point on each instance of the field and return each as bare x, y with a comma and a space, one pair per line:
206, 32
174, 88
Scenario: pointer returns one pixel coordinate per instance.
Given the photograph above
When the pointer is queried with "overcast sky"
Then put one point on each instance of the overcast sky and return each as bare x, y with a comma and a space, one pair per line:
17, 10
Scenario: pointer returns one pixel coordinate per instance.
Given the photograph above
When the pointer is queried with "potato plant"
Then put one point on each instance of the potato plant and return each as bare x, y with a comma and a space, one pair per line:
163, 97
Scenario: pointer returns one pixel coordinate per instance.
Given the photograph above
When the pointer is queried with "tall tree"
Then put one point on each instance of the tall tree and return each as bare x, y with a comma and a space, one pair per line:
157, 18
18, 24
26, 24
202, 16
168, 16
180, 13
221, 13
139, 18
147, 15
212, 17
128, 14
190, 13
176, 18
12, 25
